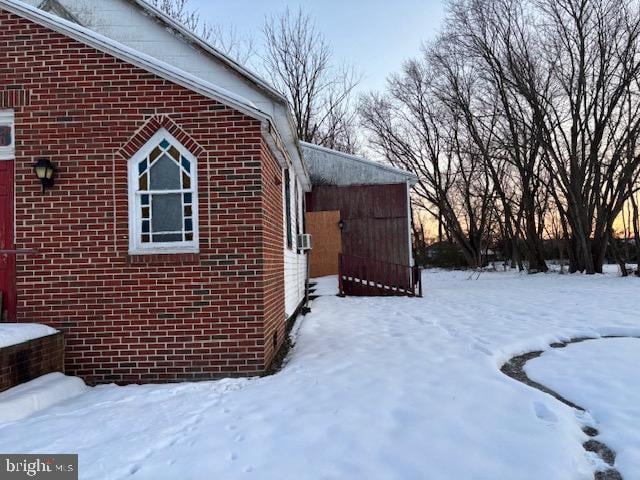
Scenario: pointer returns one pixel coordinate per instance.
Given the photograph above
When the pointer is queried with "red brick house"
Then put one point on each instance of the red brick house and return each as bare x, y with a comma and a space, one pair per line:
166, 248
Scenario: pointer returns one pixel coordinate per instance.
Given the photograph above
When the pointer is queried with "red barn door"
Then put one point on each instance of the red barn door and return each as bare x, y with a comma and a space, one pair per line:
7, 261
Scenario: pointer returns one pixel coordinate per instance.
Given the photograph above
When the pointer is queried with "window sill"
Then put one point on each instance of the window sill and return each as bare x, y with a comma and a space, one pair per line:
163, 258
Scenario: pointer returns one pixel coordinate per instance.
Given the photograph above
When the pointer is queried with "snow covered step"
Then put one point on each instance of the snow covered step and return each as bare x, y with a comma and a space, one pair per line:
28, 351
15, 333
31, 397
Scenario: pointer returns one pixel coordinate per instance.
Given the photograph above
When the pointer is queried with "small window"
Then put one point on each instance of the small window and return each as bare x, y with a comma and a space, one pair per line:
299, 213
287, 207
7, 135
163, 198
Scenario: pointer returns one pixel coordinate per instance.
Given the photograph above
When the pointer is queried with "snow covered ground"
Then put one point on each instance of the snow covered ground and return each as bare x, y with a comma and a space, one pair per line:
386, 388
602, 376
15, 333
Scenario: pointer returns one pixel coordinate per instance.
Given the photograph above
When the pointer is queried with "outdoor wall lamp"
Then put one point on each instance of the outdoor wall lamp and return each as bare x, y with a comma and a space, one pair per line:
341, 224
45, 171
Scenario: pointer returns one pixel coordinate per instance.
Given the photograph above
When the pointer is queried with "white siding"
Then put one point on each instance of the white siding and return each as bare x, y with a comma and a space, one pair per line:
295, 264
125, 23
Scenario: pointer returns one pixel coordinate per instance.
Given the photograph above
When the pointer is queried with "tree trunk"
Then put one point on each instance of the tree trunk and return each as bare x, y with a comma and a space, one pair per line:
619, 260
636, 230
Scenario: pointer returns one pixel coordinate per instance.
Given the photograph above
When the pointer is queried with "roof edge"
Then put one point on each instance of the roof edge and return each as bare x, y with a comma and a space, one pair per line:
162, 69
230, 62
411, 177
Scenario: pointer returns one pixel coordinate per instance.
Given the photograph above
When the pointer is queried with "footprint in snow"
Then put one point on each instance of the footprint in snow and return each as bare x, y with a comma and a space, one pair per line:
482, 349
544, 414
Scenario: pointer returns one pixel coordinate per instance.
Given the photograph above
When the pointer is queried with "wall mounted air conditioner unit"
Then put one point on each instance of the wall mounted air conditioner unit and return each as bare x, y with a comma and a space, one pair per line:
304, 242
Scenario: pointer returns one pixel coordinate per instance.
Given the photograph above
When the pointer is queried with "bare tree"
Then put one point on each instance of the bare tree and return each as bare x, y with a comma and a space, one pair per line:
412, 129
298, 62
634, 223
227, 40
588, 117
549, 94
481, 33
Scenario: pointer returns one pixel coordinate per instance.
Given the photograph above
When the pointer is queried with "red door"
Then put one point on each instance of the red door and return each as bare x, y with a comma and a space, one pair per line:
7, 261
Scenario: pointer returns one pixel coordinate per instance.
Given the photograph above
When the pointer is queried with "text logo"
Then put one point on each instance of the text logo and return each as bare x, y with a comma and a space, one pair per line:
37, 467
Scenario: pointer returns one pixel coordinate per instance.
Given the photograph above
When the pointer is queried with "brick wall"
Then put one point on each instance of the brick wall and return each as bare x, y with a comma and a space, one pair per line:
150, 318
273, 255
28, 360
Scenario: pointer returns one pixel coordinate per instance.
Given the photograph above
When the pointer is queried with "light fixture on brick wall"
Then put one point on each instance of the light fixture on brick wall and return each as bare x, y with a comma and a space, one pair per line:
45, 171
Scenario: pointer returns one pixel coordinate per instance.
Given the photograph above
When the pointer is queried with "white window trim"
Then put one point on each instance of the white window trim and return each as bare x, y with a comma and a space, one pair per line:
9, 152
136, 247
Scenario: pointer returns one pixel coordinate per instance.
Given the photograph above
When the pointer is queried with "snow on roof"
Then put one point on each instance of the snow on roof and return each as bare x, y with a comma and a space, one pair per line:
134, 57
331, 167
15, 333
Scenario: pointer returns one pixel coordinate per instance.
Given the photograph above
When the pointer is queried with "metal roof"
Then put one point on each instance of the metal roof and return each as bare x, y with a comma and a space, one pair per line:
330, 167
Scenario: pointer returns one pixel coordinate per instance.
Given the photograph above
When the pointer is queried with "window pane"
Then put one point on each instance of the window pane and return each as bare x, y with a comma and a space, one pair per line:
173, 151
165, 174
186, 164
143, 183
167, 237
166, 212
287, 206
5, 136
142, 167
186, 181
155, 154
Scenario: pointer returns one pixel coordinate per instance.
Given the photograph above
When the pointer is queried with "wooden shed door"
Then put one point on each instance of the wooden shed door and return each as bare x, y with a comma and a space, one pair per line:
327, 242
7, 261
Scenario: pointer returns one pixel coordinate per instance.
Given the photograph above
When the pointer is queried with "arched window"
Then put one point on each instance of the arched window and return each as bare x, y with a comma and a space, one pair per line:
163, 198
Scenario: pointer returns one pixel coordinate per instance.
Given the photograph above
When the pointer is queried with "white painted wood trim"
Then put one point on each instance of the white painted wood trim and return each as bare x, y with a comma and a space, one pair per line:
136, 247
7, 118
